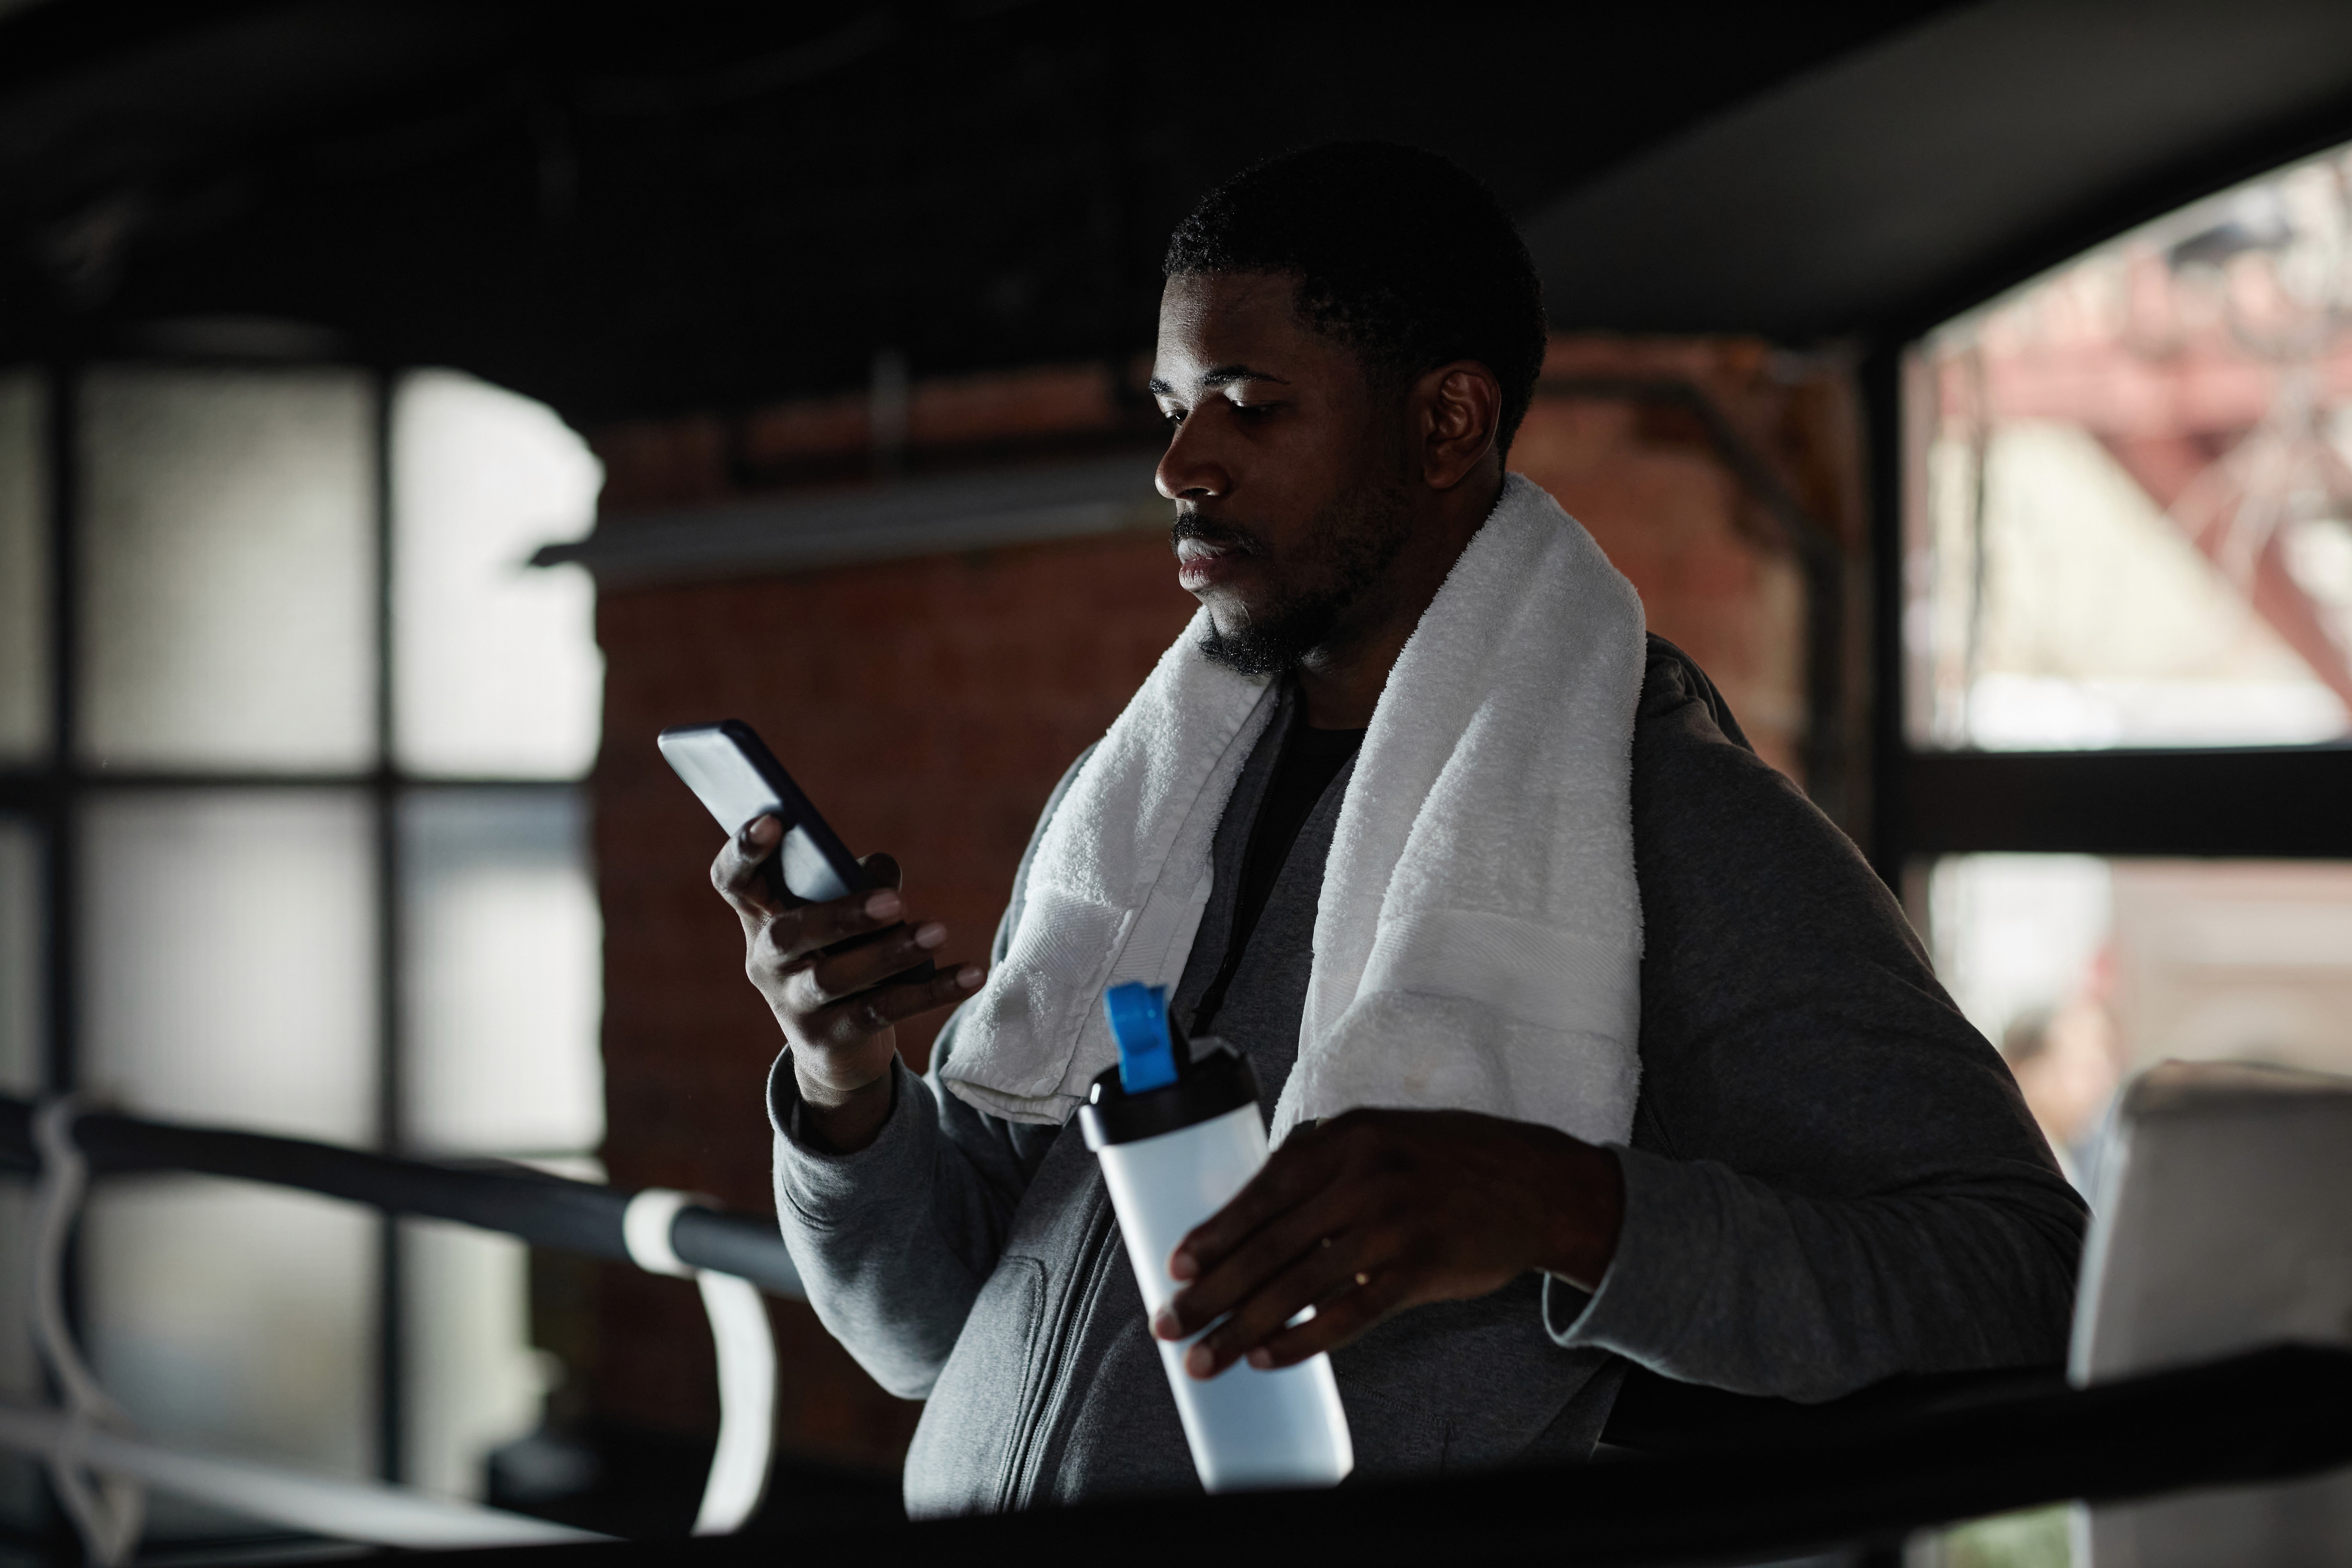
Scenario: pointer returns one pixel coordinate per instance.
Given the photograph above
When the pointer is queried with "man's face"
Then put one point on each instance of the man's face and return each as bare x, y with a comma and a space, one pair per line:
1286, 467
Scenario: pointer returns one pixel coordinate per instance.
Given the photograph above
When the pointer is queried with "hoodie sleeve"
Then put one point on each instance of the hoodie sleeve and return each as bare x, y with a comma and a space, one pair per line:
1833, 1177
894, 1240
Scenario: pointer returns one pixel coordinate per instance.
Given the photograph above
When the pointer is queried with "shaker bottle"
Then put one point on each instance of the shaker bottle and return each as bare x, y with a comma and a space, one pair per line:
1179, 1135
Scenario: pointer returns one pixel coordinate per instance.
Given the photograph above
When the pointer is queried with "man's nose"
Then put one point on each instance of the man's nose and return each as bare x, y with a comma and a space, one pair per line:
1188, 470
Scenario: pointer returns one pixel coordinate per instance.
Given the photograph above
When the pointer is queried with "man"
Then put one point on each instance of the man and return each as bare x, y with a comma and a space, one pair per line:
1587, 1040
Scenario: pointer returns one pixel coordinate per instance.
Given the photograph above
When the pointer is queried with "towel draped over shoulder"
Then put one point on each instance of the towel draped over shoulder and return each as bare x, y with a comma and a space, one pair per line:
1478, 942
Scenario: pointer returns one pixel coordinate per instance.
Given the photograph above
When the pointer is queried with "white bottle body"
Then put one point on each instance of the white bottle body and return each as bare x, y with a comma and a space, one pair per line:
1247, 1429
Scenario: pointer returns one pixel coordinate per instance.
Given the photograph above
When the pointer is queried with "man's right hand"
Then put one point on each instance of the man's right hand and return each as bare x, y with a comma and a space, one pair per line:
839, 1007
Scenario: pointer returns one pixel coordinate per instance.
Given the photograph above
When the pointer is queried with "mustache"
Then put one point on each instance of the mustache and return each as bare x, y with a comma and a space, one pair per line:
1211, 530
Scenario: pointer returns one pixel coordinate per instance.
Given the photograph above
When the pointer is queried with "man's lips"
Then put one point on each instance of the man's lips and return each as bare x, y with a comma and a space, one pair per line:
1202, 562
1202, 565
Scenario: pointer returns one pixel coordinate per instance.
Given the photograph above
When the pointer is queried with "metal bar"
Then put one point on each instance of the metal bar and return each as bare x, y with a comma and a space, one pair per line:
323, 1505
28, 781
1883, 432
28, 794
544, 1210
391, 1044
2283, 803
912, 517
59, 819
2268, 1415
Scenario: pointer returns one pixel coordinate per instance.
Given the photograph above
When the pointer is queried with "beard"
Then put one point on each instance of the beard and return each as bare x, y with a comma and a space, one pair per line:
1351, 542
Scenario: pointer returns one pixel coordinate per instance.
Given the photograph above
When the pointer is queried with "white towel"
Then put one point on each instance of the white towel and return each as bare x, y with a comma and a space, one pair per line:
1478, 942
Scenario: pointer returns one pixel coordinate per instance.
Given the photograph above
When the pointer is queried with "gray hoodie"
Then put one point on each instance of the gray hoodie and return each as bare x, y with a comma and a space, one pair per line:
1831, 1178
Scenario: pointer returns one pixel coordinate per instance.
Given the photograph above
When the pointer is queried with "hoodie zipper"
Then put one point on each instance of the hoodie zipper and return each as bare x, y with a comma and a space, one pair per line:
1040, 1415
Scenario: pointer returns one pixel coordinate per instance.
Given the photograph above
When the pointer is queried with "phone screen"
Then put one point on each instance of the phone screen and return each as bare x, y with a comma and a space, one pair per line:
737, 778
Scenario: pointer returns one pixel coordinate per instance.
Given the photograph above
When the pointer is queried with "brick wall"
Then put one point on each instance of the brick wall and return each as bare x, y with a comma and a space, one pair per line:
1713, 571
930, 705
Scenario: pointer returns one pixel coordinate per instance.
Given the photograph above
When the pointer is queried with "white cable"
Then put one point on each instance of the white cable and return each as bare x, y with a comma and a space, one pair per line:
108, 1512
324, 1505
747, 1361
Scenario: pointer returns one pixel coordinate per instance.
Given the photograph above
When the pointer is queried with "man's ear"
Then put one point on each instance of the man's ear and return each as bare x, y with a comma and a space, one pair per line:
1458, 409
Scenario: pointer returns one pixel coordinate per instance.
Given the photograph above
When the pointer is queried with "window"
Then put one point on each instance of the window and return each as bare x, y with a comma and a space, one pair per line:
291, 839
2084, 970
2116, 614
2133, 512
2115, 663
2124, 651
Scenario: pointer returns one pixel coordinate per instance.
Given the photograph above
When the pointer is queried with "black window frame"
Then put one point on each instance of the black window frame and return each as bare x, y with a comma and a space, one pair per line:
2271, 803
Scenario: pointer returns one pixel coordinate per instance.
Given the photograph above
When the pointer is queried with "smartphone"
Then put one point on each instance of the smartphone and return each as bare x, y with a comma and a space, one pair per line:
737, 778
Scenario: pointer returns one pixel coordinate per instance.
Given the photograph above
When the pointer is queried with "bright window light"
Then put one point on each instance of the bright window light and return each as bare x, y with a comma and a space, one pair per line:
2130, 521
504, 946
2084, 971
237, 1316
228, 547
496, 666
253, 1004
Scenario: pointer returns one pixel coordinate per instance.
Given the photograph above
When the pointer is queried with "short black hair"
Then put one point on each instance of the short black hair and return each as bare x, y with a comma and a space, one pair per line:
1401, 256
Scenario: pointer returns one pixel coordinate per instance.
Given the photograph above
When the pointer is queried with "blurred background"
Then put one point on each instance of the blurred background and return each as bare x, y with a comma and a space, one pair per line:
406, 409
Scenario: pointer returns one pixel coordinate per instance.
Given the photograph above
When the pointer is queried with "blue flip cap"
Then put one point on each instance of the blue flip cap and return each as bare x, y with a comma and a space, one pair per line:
1138, 1022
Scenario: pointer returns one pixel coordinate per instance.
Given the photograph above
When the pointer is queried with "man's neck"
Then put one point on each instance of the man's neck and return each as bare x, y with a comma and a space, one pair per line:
1341, 681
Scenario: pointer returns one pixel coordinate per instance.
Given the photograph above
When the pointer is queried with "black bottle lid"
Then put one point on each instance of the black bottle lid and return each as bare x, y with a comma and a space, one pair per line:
1220, 1080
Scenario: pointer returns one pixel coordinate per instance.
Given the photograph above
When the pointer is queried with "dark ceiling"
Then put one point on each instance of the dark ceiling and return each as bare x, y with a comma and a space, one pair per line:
627, 208
633, 208
1909, 180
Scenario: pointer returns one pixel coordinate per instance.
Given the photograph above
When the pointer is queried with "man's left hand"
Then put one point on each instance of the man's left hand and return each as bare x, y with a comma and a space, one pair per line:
1376, 1211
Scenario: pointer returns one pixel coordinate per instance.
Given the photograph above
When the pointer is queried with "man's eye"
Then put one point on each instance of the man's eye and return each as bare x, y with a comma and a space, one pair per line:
1174, 416
1254, 410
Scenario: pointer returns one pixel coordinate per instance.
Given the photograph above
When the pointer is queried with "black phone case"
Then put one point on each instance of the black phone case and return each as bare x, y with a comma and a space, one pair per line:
795, 810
